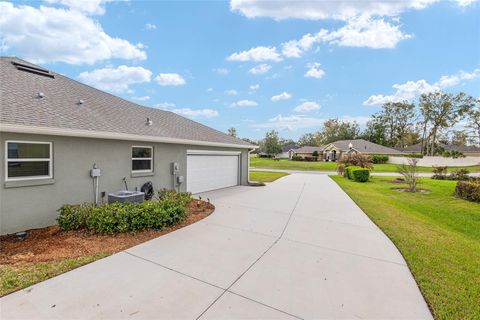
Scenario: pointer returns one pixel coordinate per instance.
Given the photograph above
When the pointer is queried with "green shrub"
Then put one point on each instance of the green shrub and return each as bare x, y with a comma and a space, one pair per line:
74, 217
297, 158
414, 155
349, 171
169, 209
360, 174
379, 158
468, 190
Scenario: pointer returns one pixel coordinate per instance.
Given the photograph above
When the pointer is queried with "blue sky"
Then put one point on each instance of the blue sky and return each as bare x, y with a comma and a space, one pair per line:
254, 65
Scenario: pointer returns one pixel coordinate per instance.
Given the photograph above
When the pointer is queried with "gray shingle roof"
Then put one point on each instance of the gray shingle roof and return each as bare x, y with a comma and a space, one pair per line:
100, 112
309, 149
365, 146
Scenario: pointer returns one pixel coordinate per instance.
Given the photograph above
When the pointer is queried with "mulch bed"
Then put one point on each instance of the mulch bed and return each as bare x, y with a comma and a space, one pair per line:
51, 244
408, 190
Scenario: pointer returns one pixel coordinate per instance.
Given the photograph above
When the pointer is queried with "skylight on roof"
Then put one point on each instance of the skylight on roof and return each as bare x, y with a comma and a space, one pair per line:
31, 69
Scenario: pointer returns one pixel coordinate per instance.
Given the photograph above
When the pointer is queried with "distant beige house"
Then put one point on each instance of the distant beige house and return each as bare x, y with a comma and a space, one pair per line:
334, 150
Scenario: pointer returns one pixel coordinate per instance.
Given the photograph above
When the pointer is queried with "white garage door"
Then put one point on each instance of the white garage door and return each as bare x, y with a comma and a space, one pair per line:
210, 170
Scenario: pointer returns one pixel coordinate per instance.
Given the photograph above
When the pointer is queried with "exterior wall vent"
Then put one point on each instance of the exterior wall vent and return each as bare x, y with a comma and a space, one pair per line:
34, 70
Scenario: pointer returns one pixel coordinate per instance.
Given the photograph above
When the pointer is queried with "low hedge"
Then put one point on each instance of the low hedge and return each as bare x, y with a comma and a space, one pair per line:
360, 174
355, 173
379, 158
468, 190
169, 209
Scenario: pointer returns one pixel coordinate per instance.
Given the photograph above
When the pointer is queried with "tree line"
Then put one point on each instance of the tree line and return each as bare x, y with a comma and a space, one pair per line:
431, 121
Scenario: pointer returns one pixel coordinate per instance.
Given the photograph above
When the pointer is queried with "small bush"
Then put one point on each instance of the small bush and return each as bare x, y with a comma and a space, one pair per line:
360, 174
169, 209
459, 175
379, 158
297, 158
414, 155
468, 190
356, 159
349, 171
310, 159
439, 172
453, 154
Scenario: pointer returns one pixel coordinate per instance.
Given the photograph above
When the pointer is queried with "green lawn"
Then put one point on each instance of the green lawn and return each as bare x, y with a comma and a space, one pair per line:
286, 164
17, 277
437, 233
265, 176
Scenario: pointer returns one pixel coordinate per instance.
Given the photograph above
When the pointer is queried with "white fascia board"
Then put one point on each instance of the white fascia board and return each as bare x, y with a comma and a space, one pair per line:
213, 152
112, 135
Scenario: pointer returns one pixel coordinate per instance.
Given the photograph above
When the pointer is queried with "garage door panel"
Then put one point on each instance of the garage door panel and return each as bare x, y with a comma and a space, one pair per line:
210, 172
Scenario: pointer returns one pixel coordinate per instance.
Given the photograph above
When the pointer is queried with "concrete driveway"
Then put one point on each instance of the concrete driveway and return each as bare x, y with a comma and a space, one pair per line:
298, 248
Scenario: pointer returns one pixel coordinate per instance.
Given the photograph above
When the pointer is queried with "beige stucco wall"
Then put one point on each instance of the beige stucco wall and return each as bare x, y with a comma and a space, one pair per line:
27, 207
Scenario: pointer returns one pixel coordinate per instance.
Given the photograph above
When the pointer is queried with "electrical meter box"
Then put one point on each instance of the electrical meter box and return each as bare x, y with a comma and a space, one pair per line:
95, 173
175, 166
180, 179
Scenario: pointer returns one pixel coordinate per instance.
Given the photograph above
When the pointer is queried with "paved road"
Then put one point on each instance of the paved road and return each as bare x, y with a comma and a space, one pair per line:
381, 174
298, 248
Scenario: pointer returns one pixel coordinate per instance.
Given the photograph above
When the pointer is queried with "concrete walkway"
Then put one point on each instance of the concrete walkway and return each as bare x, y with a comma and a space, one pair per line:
298, 248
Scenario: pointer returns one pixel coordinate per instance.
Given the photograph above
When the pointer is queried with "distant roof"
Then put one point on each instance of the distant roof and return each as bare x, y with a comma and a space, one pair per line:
358, 144
289, 147
364, 146
308, 149
418, 147
100, 114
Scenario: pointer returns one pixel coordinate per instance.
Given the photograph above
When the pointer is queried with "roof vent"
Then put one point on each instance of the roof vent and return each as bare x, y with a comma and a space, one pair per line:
149, 122
40, 95
31, 69
80, 101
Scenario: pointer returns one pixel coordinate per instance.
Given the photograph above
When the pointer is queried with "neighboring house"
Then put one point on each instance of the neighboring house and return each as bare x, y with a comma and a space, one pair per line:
286, 151
471, 151
305, 151
334, 150
55, 130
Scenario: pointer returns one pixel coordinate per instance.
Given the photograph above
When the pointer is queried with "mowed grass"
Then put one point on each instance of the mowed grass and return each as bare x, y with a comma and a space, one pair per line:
285, 164
265, 176
437, 233
17, 277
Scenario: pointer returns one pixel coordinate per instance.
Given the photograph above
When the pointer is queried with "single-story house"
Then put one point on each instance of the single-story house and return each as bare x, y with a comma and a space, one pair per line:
471, 151
305, 151
286, 151
334, 150
61, 138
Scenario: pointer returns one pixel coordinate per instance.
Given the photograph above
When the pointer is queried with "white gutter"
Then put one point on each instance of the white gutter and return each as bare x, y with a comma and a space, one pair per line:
112, 135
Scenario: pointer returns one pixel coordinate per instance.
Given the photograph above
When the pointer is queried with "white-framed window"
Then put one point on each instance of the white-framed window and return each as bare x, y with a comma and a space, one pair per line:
28, 160
142, 159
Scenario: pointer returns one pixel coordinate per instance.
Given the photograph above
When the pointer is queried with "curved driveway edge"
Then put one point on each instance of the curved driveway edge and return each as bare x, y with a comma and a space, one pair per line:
298, 248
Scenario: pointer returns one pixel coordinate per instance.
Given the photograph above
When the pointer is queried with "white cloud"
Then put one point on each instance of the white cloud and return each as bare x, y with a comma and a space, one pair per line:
164, 105
170, 79
320, 10
455, 79
96, 7
307, 106
48, 34
314, 71
142, 98
231, 92
367, 32
150, 26
407, 91
209, 89
295, 122
222, 71
465, 3
260, 69
290, 123
256, 54
254, 86
282, 96
116, 79
411, 90
296, 48
245, 103
196, 113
